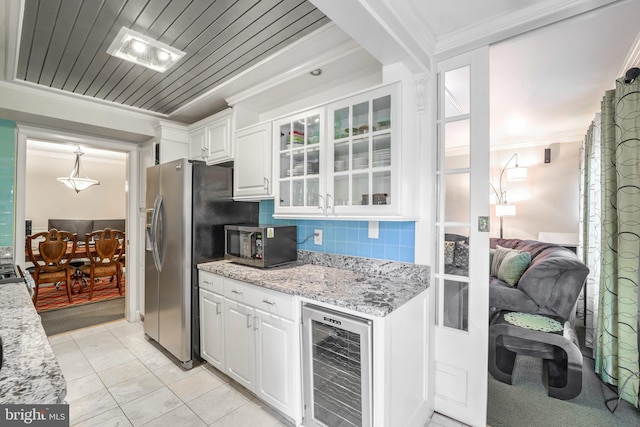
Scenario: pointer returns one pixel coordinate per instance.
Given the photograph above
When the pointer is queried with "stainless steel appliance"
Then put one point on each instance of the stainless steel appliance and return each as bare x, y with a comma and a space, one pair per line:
188, 205
264, 246
336, 368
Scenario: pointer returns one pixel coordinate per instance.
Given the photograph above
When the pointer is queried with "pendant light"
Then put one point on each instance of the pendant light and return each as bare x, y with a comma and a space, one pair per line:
75, 180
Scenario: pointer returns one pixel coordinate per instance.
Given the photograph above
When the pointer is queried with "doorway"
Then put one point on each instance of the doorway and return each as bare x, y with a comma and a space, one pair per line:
124, 153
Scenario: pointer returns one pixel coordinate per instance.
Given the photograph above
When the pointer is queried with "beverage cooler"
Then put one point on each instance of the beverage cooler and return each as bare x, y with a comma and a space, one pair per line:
337, 368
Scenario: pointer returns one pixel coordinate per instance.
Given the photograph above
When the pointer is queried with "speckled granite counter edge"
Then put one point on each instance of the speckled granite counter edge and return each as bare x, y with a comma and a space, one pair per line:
30, 372
377, 267
369, 286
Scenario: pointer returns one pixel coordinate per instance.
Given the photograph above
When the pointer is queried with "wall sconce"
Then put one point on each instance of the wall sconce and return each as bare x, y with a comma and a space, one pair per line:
517, 173
76, 181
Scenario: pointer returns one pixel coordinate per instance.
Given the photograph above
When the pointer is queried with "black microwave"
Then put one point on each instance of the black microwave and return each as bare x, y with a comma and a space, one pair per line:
263, 246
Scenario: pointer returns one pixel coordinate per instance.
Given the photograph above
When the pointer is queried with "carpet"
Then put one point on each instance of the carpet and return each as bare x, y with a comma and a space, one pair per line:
525, 403
50, 298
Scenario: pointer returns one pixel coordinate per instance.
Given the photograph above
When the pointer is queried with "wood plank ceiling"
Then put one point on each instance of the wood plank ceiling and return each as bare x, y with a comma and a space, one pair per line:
64, 42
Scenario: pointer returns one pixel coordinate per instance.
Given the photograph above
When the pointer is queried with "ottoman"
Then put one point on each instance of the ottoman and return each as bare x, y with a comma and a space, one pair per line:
546, 337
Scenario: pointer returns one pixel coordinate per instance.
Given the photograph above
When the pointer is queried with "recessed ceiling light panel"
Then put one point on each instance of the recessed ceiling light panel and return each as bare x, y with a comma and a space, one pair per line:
140, 49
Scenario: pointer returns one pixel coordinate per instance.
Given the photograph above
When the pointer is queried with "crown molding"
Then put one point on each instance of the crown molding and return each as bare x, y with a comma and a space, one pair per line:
340, 52
512, 24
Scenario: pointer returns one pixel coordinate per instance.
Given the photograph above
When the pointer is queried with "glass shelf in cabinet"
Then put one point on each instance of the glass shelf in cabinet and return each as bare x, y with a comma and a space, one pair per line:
380, 128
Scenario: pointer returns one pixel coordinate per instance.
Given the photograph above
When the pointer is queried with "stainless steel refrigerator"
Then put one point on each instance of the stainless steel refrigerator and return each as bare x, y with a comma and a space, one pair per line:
188, 204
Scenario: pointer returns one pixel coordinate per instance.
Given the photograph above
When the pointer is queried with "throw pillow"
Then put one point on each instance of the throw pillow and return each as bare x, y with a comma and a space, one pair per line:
461, 255
449, 248
513, 266
498, 256
491, 252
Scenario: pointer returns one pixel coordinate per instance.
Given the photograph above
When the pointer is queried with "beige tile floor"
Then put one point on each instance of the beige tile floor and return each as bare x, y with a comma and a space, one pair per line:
115, 377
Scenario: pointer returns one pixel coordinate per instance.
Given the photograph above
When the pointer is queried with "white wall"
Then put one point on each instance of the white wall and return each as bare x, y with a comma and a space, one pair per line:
548, 199
46, 198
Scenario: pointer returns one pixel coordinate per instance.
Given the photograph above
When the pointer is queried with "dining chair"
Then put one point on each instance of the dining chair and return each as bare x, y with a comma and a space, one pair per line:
105, 250
51, 261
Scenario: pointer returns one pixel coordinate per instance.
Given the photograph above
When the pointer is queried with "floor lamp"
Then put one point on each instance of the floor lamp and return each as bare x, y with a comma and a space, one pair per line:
503, 210
517, 173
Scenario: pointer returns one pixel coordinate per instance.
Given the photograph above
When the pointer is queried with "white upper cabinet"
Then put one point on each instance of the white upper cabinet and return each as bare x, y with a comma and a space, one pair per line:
299, 160
252, 179
348, 166
364, 146
210, 139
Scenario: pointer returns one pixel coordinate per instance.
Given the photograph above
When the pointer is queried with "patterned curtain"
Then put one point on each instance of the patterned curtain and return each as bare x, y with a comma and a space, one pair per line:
590, 223
616, 352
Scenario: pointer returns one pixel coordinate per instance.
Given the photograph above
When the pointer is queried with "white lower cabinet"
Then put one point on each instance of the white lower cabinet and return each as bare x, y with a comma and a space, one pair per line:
249, 333
240, 343
275, 353
255, 339
212, 328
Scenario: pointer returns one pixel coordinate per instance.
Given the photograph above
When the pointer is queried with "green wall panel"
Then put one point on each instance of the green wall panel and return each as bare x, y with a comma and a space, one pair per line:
7, 181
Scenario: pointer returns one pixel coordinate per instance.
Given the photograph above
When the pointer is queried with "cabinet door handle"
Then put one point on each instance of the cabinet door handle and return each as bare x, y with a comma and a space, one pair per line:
266, 301
204, 152
321, 203
218, 310
266, 184
255, 323
236, 292
329, 205
249, 320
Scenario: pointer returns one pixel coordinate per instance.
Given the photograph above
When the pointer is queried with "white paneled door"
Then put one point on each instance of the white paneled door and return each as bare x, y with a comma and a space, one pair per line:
462, 230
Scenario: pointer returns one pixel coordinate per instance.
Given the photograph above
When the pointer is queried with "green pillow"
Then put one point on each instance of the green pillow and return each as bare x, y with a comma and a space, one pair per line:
513, 266
498, 256
491, 252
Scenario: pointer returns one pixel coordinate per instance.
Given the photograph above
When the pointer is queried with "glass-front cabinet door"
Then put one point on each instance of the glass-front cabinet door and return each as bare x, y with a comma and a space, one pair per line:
362, 153
298, 164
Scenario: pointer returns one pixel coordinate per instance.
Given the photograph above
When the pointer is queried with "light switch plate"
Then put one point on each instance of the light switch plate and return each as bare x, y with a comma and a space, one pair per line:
483, 224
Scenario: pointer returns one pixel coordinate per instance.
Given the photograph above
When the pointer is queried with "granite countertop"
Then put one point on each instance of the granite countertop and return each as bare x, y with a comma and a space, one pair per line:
30, 372
370, 286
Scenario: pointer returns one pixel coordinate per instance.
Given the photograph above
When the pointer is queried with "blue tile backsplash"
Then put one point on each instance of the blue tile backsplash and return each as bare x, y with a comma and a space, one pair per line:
7, 181
395, 242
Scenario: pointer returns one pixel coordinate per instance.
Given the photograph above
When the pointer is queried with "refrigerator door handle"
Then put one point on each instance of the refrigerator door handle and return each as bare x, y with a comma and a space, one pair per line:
148, 245
154, 232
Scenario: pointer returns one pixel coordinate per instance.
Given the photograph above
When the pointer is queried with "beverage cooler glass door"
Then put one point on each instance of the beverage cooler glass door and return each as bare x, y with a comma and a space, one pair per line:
337, 369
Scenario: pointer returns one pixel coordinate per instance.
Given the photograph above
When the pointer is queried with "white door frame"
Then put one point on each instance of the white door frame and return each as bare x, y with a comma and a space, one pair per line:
132, 297
461, 355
